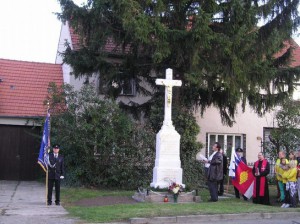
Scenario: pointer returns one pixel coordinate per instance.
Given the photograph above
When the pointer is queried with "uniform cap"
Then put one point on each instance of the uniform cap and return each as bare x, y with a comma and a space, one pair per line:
56, 146
239, 150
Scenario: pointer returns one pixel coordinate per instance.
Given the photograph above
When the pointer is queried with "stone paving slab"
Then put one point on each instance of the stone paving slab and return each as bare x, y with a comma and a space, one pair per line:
25, 202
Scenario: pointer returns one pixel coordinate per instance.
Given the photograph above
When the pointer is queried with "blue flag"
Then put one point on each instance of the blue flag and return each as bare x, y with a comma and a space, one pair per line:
43, 155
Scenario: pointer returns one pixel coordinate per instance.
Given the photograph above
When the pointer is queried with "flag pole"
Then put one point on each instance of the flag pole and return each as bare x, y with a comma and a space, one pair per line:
45, 143
227, 187
228, 178
48, 108
47, 187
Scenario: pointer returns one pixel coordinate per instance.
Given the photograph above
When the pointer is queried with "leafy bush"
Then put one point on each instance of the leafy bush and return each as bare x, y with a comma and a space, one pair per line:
102, 145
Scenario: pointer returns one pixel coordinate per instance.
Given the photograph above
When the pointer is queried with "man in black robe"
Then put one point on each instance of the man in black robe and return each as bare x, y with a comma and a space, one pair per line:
260, 171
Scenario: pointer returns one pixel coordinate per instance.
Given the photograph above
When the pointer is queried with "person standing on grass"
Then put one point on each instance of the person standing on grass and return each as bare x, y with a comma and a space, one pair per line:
291, 185
240, 153
279, 183
292, 179
281, 173
225, 170
215, 171
260, 171
56, 172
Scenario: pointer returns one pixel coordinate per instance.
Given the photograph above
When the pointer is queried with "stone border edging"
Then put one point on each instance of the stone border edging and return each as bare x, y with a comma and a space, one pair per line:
215, 217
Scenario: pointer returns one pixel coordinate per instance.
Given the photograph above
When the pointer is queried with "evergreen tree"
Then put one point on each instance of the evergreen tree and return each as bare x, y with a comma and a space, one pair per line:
215, 47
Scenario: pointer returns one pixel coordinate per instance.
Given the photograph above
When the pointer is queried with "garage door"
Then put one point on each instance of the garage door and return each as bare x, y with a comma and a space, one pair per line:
19, 148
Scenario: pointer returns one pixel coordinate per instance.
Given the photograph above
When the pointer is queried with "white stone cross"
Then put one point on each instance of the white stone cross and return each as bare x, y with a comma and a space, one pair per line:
168, 83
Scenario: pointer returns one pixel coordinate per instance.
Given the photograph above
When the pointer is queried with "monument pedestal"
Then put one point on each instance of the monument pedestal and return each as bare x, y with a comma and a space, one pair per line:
167, 162
159, 197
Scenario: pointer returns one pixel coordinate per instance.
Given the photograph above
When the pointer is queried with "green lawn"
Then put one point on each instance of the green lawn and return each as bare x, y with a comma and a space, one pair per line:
121, 212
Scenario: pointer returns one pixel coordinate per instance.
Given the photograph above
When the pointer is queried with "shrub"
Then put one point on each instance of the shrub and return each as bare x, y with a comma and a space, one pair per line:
102, 145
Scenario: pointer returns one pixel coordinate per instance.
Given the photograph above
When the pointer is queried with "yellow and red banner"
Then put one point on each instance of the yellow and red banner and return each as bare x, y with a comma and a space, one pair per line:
241, 175
244, 179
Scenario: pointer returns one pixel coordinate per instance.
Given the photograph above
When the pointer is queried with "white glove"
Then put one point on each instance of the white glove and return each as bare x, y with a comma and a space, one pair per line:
62, 177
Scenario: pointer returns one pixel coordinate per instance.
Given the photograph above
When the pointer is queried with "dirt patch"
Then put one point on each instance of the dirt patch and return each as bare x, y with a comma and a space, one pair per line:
105, 200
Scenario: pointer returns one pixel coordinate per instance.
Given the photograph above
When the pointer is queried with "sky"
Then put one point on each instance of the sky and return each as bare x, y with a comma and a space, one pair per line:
29, 29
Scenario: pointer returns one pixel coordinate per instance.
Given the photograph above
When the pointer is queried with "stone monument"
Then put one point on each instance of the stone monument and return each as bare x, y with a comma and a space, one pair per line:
167, 162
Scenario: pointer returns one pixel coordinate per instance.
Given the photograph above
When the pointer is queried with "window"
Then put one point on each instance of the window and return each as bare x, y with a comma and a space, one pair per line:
227, 141
103, 85
296, 93
128, 87
124, 87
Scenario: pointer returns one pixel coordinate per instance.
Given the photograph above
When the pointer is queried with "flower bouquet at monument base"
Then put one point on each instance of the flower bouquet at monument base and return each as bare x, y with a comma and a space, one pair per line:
175, 189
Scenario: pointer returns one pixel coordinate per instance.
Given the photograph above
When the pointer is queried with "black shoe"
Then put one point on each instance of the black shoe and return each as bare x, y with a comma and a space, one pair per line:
49, 203
210, 200
220, 194
57, 203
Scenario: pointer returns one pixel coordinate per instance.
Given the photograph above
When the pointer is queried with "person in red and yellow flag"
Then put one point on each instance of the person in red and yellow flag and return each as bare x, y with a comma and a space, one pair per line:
239, 151
260, 171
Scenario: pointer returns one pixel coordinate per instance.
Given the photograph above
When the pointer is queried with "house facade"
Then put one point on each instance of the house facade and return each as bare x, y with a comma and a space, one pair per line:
23, 90
67, 34
249, 131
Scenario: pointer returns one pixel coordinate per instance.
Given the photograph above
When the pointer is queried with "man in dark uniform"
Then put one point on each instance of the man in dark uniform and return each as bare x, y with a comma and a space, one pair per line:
56, 172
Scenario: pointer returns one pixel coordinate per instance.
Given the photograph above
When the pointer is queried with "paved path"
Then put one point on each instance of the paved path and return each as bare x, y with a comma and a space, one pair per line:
25, 202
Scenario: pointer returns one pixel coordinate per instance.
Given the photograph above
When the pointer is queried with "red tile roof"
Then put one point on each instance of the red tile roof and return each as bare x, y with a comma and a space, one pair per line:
75, 39
23, 87
296, 55
109, 47
295, 60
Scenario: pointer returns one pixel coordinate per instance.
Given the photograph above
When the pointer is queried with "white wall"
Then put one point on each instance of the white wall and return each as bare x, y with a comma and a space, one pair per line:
17, 121
67, 70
